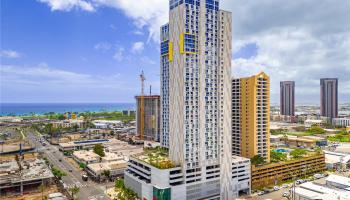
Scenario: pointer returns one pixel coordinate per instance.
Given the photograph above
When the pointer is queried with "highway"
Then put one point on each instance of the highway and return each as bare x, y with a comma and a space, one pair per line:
89, 190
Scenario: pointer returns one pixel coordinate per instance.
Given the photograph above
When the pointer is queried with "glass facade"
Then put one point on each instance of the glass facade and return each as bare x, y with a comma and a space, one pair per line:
161, 194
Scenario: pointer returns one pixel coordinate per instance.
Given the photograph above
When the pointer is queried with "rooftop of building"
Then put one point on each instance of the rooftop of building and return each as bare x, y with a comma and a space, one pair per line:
239, 159
306, 155
315, 191
339, 179
114, 165
86, 155
85, 142
157, 157
32, 169
112, 157
99, 121
148, 96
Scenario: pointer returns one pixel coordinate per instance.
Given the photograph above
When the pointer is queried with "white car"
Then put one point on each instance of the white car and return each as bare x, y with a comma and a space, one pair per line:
318, 176
276, 188
261, 193
286, 194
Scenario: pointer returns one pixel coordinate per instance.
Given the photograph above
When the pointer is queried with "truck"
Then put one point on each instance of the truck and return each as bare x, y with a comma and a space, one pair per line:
84, 177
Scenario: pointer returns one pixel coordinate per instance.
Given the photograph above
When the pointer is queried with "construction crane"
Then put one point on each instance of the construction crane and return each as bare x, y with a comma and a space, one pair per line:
142, 106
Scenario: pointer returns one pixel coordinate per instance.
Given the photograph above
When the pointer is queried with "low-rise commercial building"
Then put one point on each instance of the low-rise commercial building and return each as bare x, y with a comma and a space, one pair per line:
272, 173
83, 144
151, 182
104, 124
337, 181
336, 160
19, 177
69, 123
290, 141
110, 157
343, 122
311, 191
122, 148
313, 122
86, 157
97, 171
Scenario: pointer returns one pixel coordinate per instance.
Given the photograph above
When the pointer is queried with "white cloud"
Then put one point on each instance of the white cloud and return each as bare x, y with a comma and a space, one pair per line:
68, 5
297, 40
138, 32
144, 13
147, 60
119, 54
42, 83
300, 40
10, 54
137, 47
103, 46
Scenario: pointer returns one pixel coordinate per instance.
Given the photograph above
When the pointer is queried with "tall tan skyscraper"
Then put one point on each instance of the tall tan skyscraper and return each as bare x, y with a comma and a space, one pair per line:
250, 116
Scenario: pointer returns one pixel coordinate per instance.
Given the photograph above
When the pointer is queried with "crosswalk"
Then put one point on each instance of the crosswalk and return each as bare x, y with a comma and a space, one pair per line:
77, 184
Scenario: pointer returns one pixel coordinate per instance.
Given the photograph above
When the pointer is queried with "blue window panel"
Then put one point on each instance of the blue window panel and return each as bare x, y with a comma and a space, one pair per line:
174, 3
164, 47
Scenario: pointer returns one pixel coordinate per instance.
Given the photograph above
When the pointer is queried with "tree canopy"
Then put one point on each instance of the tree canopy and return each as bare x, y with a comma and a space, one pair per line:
257, 160
316, 130
124, 193
298, 153
278, 156
98, 149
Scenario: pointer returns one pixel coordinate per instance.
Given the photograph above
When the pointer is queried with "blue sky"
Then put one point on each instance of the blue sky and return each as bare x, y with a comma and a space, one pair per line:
94, 50
103, 44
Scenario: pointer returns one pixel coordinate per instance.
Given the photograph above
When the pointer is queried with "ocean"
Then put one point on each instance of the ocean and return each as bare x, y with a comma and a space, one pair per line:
25, 109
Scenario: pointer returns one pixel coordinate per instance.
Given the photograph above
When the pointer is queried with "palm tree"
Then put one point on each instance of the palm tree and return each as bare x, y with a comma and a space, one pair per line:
106, 173
74, 190
42, 188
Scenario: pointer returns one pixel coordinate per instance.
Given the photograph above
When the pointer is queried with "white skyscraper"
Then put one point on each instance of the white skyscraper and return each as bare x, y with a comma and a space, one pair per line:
196, 106
196, 70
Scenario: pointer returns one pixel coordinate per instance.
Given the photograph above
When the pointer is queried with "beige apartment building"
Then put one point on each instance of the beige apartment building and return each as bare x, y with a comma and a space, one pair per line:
250, 116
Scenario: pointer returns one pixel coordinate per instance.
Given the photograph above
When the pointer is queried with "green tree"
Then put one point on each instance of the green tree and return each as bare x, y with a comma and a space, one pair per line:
124, 193
82, 165
60, 117
257, 160
75, 127
74, 190
58, 173
106, 173
316, 130
300, 128
298, 153
98, 149
277, 156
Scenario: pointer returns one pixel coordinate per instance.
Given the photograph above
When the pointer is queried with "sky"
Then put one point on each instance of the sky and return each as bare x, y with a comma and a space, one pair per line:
94, 50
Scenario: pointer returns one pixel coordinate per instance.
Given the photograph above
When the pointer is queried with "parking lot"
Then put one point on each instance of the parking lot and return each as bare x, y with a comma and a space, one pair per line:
278, 194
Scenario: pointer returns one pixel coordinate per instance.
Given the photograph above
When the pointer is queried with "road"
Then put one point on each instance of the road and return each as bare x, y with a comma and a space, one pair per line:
88, 189
275, 195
